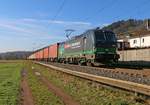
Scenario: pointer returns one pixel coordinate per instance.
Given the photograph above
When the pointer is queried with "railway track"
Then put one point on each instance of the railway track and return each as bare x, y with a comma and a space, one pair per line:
132, 75
78, 71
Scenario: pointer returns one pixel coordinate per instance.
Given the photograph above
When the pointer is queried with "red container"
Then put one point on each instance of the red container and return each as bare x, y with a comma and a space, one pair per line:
41, 54
46, 52
36, 55
53, 51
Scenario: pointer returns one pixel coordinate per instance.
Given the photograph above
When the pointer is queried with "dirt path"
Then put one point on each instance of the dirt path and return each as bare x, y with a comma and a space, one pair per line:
67, 99
26, 96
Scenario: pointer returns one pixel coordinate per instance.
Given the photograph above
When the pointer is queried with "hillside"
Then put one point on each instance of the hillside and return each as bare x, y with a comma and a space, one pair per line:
130, 27
14, 55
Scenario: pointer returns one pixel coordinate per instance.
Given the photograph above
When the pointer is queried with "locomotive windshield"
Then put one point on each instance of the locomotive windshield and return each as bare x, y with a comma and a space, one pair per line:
105, 36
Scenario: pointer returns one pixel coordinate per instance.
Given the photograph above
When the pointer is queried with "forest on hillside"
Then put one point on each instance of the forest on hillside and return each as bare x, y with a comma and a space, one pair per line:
15, 55
130, 27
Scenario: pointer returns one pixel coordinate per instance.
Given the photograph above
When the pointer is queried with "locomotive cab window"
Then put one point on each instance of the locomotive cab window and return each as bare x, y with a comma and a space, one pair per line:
110, 36
99, 36
105, 36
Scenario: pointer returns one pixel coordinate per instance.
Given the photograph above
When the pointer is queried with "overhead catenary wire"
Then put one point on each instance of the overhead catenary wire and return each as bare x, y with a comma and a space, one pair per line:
108, 5
137, 7
59, 10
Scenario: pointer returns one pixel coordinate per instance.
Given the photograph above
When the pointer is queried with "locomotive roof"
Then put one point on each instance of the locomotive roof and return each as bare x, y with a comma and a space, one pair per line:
78, 36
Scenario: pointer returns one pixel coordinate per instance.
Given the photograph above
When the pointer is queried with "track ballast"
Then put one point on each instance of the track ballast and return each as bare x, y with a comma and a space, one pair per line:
137, 76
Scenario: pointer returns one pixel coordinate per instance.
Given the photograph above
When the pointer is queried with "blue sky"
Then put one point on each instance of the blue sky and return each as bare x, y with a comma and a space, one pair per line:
30, 24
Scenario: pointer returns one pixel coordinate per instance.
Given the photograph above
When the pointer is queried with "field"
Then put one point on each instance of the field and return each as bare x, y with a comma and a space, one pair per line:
49, 87
9, 83
41, 94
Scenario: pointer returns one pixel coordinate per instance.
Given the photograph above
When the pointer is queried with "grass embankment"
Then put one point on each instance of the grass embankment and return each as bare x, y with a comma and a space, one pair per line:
41, 94
84, 92
9, 83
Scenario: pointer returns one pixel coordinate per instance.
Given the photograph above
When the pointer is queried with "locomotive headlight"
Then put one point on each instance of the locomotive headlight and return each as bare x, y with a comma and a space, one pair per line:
106, 49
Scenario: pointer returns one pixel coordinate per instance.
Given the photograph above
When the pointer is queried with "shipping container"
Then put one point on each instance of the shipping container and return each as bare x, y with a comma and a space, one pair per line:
61, 50
37, 55
53, 51
41, 54
46, 53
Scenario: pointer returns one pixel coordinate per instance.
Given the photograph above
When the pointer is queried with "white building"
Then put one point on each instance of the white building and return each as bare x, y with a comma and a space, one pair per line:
143, 41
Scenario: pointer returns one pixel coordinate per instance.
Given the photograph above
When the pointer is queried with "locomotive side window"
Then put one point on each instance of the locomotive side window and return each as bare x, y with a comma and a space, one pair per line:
89, 41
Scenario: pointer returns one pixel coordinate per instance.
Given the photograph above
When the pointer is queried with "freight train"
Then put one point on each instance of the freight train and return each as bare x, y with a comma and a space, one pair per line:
92, 47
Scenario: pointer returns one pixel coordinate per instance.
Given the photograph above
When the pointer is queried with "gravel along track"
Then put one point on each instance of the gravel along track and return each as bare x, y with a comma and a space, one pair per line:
67, 99
26, 95
133, 75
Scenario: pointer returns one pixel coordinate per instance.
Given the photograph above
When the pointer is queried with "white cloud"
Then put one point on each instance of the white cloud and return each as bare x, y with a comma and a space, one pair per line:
57, 21
15, 28
28, 20
39, 28
69, 22
21, 33
23, 28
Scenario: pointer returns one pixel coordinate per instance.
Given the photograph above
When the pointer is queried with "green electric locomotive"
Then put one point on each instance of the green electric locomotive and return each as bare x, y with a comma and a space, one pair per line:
92, 47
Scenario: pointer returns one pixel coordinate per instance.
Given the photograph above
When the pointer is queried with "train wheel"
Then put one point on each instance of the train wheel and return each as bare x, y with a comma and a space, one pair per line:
89, 64
79, 63
64, 62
